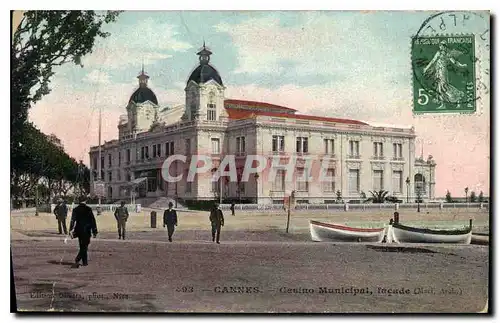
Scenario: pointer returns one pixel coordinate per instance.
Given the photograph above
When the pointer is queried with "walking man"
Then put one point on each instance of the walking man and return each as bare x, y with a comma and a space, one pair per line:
217, 220
61, 213
232, 208
121, 216
170, 220
83, 225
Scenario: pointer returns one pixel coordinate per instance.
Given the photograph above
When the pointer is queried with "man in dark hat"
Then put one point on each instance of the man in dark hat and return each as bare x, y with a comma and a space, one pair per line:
83, 225
61, 213
217, 221
170, 220
121, 216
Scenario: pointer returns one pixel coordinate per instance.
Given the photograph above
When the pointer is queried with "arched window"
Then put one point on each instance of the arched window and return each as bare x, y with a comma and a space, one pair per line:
211, 107
419, 183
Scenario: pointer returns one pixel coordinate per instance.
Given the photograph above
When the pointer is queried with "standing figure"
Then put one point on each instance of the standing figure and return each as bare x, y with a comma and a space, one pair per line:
232, 208
61, 213
83, 225
170, 220
121, 216
438, 72
217, 220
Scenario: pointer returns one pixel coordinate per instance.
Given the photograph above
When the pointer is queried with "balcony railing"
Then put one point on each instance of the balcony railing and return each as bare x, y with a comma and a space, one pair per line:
353, 156
378, 158
398, 159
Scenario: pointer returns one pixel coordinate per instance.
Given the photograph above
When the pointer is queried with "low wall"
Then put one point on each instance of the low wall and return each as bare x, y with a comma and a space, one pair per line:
359, 207
106, 207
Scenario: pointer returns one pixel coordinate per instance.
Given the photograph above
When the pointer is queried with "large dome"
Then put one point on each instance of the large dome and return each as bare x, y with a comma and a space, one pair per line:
204, 73
143, 94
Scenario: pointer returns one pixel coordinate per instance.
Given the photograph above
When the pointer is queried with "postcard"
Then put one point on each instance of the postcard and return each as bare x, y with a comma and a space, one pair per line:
250, 161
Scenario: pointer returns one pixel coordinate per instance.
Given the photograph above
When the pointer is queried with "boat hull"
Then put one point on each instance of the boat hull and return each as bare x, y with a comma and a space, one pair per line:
405, 234
325, 232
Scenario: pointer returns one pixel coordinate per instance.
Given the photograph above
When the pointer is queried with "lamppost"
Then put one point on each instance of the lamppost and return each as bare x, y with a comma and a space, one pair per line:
466, 191
419, 194
407, 189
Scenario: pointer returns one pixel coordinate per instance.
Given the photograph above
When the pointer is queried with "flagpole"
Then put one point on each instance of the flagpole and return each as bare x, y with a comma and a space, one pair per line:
100, 158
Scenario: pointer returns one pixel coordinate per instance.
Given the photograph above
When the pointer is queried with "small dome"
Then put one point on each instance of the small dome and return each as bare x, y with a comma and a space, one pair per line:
204, 73
143, 94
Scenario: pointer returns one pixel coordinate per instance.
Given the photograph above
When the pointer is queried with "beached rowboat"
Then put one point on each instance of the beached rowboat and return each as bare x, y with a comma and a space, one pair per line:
401, 233
333, 232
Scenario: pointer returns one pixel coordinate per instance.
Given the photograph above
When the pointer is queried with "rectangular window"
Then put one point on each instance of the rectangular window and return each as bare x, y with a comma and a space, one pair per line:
102, 164
378, 150
215, 146
397, 181
169, 148
129, 177
102, 175
119, 175
329, 185
143, 155
278, 143
211, 112
397, 151
353, 180
95, 163
354, 148
302, 146
128, 156
302, 180
158, 150
146, 151
154, 151
110, 176
240, 144
279, 180
188, 146
109, 160
378, 180
188, 187
119, 158
329, 146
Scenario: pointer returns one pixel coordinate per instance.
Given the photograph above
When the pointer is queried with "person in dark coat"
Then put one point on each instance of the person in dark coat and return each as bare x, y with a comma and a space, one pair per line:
170, 220
232, 208
82, 226
121, 216
61, 213
217, 221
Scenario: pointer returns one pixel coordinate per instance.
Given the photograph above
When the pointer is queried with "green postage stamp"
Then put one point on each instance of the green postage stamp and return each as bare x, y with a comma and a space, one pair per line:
443, 74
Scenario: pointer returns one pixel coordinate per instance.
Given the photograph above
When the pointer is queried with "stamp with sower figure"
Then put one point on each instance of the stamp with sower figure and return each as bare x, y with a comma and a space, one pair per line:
450, 63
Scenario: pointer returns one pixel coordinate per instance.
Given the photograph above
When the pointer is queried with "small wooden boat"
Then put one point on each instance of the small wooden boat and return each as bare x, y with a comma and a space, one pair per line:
401, 233
333, 232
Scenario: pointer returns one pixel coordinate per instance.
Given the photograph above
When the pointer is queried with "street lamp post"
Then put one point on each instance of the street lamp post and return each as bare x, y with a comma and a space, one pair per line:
419, 194
407, 190
466, 191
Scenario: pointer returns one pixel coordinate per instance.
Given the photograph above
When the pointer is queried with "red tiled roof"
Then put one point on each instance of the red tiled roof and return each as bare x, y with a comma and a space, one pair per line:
246, 114
257, 104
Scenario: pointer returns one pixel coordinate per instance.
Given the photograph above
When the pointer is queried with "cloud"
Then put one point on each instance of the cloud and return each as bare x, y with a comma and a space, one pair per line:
316, 44
96, 77
146, 41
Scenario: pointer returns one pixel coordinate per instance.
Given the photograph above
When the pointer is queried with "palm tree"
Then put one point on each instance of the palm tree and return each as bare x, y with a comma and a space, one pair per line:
378, 196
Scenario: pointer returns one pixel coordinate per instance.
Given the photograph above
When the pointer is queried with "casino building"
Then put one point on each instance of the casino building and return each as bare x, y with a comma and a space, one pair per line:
359, 157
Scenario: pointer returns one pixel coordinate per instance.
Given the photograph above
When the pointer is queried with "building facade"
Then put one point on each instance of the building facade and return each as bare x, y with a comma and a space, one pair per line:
356, 157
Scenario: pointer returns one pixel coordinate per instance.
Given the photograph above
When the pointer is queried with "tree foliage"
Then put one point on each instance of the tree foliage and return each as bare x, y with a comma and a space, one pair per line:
43, 41
378, 196
481, 197
472, 197
43, 159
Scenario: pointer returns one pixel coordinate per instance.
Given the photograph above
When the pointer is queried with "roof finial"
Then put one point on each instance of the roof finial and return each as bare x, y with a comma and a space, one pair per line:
203, 42
142, 71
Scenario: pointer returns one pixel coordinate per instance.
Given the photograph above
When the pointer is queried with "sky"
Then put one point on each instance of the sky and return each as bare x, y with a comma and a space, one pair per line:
346, 64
